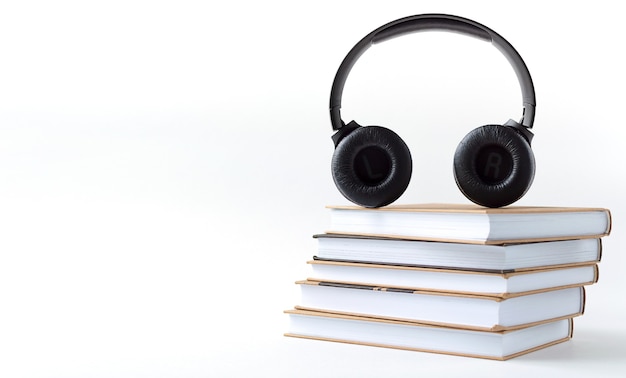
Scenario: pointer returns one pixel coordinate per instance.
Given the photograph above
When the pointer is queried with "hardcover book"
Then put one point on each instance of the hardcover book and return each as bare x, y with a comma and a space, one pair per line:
386, 333
501, 285
491, 258
472, 223
481, 312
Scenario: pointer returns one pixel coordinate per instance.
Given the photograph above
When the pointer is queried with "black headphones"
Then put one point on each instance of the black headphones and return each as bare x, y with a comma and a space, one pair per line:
494, 165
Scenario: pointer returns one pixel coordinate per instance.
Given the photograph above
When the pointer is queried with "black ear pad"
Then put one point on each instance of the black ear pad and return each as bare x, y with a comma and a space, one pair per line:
372, 166
494, 165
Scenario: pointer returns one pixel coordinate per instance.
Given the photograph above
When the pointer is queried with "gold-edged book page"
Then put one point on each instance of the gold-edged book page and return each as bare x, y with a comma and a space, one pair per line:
300, 311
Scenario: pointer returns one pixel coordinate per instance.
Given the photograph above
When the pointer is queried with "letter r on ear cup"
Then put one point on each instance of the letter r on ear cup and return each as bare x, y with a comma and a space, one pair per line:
494, 166
371, 166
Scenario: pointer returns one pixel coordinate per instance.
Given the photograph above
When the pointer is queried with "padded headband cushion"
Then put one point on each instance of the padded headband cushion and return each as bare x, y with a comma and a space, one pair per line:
497, 181
372, 166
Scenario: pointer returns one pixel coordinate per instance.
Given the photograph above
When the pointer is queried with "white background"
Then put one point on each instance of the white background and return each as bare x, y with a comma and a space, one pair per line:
163, 165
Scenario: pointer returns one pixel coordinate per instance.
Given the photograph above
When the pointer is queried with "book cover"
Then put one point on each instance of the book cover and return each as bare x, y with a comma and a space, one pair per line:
500, 285
413, 336
463, 223
450, 309
497, 258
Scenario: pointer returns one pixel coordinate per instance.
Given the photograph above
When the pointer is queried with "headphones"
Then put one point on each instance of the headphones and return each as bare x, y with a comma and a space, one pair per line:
493, 166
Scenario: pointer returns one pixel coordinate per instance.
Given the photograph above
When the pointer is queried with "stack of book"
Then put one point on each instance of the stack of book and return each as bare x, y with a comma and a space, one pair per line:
452, 279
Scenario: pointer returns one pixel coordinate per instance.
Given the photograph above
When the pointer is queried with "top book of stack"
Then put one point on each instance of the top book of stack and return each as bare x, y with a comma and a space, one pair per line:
471, 224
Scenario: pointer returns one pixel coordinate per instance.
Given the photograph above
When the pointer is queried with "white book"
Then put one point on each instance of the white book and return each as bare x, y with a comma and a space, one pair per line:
501, 285
418, 337
450, 309
496, 258
472, 223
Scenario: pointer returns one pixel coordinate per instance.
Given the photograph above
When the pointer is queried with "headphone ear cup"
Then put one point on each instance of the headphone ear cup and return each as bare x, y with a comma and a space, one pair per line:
371, 166
494, 166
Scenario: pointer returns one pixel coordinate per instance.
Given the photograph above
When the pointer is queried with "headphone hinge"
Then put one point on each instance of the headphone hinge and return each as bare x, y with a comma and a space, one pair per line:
525, 131
344, 131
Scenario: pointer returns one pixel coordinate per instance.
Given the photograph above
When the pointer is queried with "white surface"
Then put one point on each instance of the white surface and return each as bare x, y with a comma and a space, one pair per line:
163, 166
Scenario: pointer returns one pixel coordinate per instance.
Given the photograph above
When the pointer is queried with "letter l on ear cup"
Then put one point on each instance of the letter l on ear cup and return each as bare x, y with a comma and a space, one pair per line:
371, 166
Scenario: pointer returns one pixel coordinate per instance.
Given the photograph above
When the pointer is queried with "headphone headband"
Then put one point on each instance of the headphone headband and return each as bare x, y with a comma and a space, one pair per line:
430, 22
